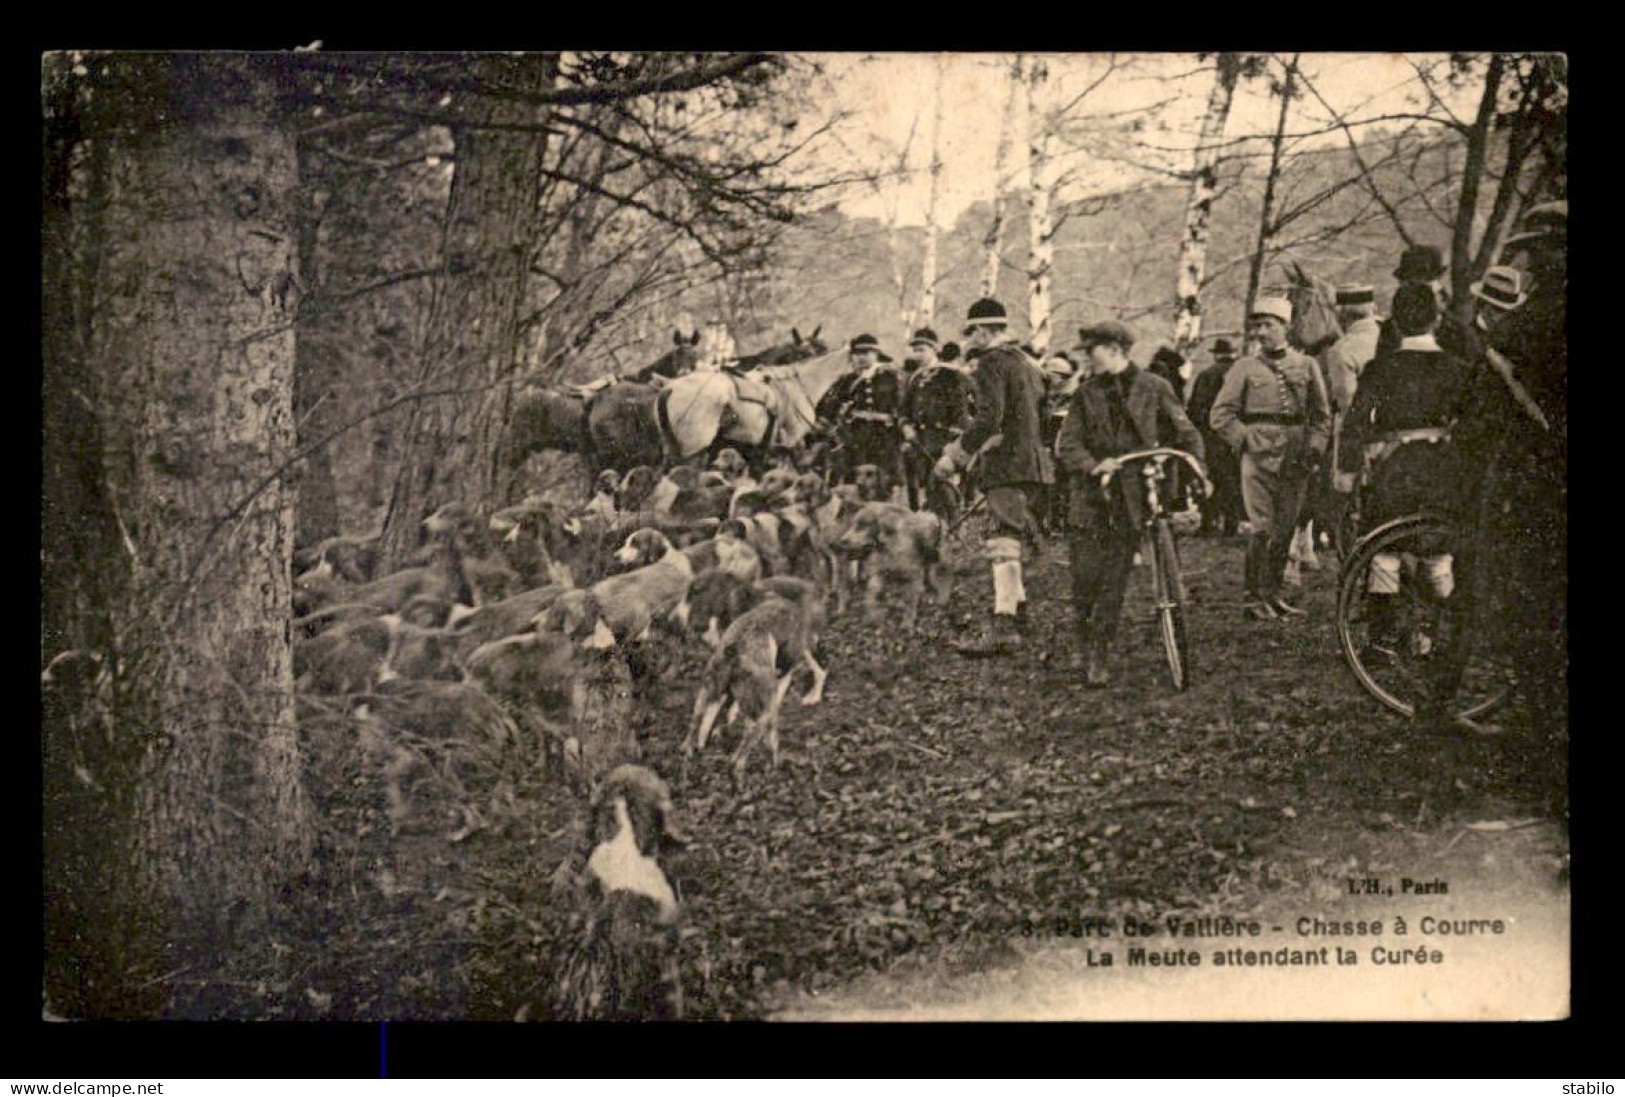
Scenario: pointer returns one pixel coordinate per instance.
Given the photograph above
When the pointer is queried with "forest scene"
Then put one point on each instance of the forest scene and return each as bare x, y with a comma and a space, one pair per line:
391, 588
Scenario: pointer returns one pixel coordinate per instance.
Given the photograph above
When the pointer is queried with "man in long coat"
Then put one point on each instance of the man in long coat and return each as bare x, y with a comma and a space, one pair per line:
1006, 440
1513, 513
1118, 410
1272, 411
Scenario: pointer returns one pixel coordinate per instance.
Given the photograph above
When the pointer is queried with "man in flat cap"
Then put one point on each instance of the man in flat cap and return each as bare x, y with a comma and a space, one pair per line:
1117, 410
1006, 439
1272, 411
1221, 511
937, 401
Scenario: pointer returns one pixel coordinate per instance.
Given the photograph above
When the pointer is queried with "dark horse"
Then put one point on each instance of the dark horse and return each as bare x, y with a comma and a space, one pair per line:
613, 427
799, 349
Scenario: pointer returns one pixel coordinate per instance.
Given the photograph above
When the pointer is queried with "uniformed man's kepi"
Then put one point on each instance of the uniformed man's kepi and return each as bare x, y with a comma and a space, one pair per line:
1278, 307
1356, 295
925, 337
985, 313
862, 343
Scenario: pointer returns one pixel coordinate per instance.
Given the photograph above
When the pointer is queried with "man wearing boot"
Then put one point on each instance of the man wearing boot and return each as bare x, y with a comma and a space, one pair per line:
1118, 410
1221, 511
1272, 411
1005, 435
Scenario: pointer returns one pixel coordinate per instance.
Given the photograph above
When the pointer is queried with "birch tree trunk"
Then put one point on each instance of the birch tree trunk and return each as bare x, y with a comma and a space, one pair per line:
1199, 207
472, 349
1041, 232
993, 242
1267, 226
928, 266
183, 427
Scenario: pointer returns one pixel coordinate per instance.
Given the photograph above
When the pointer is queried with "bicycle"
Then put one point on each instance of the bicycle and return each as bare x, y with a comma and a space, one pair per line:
1168, 589
1389, 647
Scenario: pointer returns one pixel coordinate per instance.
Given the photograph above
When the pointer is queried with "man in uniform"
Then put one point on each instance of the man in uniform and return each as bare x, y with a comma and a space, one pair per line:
1006, 440
871, 422
1272, 411
1118, 410
863, 355
936, 407
1221, 511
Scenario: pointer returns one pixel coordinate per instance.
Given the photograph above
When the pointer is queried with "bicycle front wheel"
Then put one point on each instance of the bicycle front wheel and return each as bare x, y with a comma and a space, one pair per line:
1169, 589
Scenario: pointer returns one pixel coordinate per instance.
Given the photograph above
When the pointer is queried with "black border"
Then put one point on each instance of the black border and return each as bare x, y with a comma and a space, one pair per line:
49, 1052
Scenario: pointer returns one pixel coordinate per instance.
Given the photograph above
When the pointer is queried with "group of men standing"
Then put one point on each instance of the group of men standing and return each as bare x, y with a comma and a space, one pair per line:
1270, 425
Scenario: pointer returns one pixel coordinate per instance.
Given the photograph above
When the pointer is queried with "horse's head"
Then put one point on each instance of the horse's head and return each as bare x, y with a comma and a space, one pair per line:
809, 347
798, 349
680, 359
1314, 311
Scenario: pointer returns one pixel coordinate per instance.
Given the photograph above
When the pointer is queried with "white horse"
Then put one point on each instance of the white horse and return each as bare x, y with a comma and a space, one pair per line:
771, 406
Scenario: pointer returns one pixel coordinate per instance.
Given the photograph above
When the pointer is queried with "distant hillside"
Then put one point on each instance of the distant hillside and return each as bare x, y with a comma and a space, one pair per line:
1114, 256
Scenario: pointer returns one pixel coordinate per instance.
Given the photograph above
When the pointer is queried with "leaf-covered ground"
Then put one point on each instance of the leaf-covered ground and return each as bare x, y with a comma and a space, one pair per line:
926, 817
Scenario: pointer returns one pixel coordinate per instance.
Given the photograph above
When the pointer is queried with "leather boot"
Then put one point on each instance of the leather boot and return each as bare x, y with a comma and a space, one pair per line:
1024, 621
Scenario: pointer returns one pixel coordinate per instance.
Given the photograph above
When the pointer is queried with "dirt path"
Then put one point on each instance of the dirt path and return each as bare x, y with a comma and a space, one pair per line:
942, 828
939, 808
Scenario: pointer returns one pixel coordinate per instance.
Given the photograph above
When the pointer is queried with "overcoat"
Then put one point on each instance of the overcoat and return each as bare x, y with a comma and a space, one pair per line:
1009, 395
1090, 433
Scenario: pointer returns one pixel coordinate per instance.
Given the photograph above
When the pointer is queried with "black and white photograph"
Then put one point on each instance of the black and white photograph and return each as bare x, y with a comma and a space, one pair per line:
804, 536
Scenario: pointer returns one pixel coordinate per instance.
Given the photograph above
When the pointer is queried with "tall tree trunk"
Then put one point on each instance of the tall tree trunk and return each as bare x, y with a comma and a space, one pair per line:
1267, 225
993, 242
472, 345
88, 894
928, 267
1040, 229
315, 392
1199, 207
188, 375
1472, 178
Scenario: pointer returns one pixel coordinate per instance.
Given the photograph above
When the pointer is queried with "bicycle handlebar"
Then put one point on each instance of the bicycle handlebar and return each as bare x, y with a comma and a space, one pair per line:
1159, 455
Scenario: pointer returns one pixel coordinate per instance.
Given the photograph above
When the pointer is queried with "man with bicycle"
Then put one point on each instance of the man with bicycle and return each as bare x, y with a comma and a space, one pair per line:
1272, 411
1117, 410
